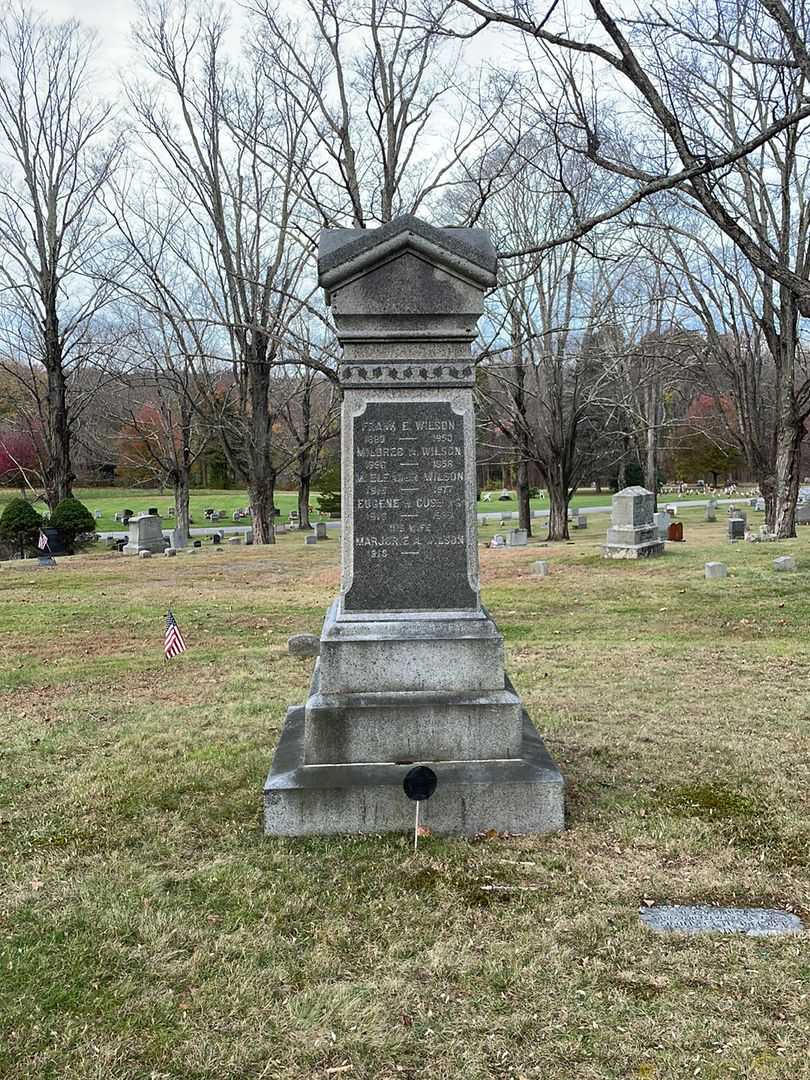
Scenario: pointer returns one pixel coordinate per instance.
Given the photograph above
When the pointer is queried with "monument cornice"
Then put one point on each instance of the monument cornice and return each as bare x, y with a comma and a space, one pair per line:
346, 254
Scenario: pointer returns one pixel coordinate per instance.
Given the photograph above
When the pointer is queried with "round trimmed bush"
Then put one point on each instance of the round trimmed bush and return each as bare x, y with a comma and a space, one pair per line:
75, 523
19, 526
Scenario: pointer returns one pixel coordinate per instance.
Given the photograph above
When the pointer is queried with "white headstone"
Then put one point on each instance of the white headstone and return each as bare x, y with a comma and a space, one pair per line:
145, 534
784, 562
714, 570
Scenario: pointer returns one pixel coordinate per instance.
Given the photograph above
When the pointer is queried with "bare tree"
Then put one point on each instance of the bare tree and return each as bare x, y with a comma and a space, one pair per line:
58, 154
310, 419
718, 94
227, 149
164, 431
390, 123
732, 359
540, 392
762, 34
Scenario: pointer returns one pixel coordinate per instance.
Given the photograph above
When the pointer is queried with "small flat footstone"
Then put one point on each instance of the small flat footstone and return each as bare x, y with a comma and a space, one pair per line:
703, 919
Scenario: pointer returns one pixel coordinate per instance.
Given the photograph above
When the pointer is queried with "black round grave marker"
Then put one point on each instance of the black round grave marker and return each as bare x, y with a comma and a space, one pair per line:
419, 783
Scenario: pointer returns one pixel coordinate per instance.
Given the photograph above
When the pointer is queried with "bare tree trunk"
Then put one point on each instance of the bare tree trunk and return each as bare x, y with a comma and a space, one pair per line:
788, 450
262, 476
261, 508
181, 501
621, 475
524, 507
651, 462
304, 481
558, 508
58, 472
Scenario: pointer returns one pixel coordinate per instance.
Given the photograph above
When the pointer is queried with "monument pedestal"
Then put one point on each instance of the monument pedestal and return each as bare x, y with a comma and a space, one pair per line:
145, 534
411, 666
633, 533
516, 795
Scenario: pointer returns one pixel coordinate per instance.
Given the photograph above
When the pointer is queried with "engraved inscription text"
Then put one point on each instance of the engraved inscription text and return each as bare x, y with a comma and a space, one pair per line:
410, 543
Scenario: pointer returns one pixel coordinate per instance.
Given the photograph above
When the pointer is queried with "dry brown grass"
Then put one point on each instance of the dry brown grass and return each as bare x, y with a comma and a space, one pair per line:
149, 931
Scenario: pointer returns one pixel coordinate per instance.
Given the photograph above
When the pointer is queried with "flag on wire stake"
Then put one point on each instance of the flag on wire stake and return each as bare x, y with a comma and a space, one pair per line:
173, 643
42, 543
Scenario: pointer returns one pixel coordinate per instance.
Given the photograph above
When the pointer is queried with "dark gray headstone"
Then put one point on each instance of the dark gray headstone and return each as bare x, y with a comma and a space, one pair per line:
55, 544
410, 546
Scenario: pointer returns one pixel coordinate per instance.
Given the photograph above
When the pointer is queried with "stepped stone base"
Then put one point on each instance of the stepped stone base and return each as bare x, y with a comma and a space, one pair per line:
633, 551
517, 795
411, 725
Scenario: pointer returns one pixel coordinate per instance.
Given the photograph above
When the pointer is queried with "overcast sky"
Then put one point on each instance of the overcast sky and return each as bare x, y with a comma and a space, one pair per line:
111, 19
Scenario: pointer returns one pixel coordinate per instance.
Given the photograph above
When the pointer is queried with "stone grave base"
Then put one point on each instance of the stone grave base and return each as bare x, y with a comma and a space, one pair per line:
633, 551
154, 547
516, 795
421, 725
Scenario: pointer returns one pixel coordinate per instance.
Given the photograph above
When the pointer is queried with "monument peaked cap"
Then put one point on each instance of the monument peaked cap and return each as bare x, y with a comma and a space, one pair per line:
342, 253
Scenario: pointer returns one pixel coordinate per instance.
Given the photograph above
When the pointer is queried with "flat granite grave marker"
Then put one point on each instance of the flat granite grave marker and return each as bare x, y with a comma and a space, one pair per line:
411, 666
704, 919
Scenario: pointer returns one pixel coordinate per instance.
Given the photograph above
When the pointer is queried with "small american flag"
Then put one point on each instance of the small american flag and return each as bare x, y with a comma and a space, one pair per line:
173, 643
42, 543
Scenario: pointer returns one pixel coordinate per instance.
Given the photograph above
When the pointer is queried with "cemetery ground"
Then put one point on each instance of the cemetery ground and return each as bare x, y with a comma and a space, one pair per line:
149, 930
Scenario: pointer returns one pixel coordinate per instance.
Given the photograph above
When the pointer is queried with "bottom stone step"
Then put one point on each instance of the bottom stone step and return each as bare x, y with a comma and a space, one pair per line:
515, 795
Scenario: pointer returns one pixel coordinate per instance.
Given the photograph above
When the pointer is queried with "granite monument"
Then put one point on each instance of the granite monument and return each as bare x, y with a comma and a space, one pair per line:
633, 533
411, 666
145, 534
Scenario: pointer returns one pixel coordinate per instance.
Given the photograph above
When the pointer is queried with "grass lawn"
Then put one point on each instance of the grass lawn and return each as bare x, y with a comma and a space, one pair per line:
111, 500
149, 931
